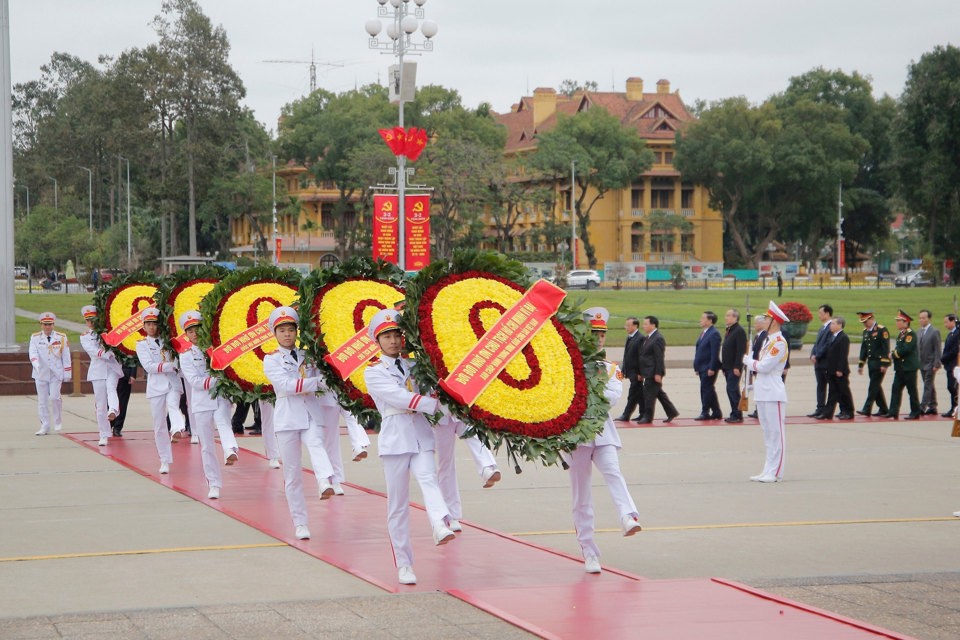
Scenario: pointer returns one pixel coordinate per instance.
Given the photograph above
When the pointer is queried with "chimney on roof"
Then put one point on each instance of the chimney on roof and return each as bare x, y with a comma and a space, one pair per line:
663, 86
544, 104
635, 89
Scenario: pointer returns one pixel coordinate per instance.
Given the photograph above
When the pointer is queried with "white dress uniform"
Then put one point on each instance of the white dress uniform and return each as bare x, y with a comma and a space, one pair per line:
771, 397
449, 429
406, 445
103, 374
602, 451
270, 447
207, 410
359, 440
296, 420
163, 389
50, 358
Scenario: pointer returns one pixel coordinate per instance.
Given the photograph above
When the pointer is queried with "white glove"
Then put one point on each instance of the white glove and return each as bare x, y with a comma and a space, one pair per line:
749, 388
956, 373
748, 362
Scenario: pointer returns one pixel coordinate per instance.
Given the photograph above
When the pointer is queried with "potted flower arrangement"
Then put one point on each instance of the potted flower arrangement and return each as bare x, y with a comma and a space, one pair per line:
800, 316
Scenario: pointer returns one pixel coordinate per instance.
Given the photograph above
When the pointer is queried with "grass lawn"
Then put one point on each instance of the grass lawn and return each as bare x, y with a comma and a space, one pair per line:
678, 311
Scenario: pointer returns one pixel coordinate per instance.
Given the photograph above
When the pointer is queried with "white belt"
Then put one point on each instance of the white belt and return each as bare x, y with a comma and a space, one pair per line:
396, 412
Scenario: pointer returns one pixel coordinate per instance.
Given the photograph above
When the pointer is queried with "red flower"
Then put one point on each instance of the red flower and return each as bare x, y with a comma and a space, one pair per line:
796, 311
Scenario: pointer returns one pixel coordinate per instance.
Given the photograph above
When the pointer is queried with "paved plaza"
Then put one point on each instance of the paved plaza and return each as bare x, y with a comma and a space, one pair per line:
861, 526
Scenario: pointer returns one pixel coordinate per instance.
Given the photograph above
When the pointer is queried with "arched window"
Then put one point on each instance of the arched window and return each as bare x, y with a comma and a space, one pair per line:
329, 260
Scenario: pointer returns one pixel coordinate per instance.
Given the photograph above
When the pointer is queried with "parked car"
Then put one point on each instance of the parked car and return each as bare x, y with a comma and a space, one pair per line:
583, 278
106, 275
914, 279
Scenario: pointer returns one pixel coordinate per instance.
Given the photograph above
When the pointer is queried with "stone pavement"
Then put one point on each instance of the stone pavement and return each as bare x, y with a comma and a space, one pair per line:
861, 526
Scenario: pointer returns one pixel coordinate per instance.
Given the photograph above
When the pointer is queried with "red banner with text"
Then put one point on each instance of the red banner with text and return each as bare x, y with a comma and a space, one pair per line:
417, 231
386, 232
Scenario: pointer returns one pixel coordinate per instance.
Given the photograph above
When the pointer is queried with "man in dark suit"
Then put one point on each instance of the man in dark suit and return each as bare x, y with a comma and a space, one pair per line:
836, 360
951, 349
731, 361
818, 355
930, 351
706, 362
652, 368
631, 369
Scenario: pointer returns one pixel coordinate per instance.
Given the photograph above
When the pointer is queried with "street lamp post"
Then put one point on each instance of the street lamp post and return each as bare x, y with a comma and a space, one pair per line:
573, 214
274, 238
402, 23
129, 232
89, 196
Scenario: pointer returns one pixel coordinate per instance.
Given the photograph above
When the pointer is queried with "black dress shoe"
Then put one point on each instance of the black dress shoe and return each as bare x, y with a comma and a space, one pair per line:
815, 414
702, 417
254, 432
719, 416
892, 416
930, 412
913, 416
669, 419
845, 416
622, 419
823, 417
863, 413
733, 420
753, 415
644, 421
948, 414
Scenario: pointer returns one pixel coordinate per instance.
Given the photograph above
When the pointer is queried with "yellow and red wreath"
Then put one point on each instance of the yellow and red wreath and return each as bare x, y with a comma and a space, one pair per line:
119, 305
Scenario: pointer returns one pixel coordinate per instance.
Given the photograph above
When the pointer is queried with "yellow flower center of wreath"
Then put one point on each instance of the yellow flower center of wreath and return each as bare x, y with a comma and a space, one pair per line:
336, 314
130, 300
189, 299
233, 320
550, 398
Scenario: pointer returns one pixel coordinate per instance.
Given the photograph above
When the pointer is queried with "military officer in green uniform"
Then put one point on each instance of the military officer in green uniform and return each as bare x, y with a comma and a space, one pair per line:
906, 363
875, 355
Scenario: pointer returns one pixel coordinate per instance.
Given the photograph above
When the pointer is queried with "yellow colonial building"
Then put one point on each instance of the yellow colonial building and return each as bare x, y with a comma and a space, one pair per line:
630, 228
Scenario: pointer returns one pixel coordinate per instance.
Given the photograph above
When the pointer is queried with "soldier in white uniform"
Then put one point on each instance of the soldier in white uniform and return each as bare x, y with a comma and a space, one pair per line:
206, 409
103, 374
359, 441
270, 447
449, 429
50, 358
296, 416
771, 395
602, 451
406, 443
164, 387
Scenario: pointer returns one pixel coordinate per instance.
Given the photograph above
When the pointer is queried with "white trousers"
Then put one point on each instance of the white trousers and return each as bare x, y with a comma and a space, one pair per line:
161, 407
607, 460
202, 427
329, 419
48, 393
397, 470
221, 418
290, 445
358, 435
270, 448
772, 416
105, 401
446, 436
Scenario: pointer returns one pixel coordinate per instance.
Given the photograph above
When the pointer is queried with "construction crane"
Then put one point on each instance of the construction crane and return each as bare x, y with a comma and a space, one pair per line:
313, 67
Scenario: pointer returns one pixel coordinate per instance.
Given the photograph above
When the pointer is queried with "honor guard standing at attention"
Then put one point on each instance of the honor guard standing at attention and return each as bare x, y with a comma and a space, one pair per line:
602, 451
50, 358
206, 409
103, 374
406, 442
906, 364
875, 354
771, 395
164, 387
296, 416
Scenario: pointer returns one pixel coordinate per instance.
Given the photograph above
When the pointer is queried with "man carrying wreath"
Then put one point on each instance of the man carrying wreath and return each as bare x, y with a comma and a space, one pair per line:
406, 442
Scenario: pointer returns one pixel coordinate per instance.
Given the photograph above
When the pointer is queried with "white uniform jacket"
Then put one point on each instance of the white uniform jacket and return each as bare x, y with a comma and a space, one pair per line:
160, 367
102, 360
403, 429
193, 367
296, 384
50, 357
612, 393
768, 386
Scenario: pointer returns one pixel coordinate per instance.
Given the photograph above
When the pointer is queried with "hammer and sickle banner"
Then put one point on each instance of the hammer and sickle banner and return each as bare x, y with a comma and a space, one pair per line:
417, 232
503, 342
385, 229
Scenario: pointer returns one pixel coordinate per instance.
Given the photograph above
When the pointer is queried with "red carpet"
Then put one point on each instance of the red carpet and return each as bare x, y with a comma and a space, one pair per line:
540, 590
690, 422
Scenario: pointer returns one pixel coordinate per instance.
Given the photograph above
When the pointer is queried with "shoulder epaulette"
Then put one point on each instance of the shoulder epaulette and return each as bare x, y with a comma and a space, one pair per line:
36, 334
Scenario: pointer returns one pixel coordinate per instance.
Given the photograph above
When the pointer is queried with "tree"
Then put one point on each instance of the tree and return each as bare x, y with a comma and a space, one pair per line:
569, 87
608, 155
203, 85
926, 136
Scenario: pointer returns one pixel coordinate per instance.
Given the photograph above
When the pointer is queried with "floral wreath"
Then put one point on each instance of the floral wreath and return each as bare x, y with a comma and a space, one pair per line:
238, 302
120, 299
184, 290
342, 301
537, 411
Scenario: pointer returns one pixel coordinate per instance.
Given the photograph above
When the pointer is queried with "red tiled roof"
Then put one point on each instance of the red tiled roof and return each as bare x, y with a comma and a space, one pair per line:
520, 120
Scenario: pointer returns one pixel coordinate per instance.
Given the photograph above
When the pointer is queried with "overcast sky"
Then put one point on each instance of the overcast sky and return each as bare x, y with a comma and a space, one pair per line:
499, 50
